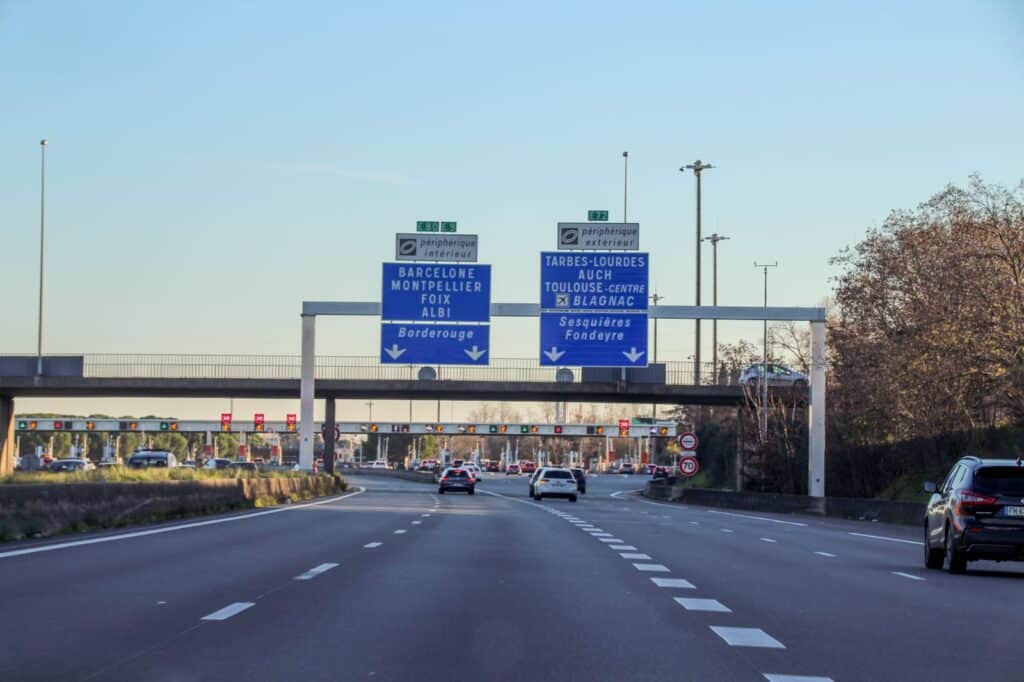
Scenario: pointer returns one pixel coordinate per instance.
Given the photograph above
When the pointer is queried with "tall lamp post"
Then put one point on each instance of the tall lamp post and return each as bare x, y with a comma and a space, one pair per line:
42, 251
764, 357
697, 167
655, 297
714, 239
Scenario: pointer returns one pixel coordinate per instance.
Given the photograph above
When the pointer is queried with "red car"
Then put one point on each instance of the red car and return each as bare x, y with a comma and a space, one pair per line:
659, 472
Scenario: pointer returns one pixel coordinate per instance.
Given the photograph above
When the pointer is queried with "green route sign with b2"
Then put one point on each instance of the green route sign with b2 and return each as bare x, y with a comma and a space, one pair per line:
594, 281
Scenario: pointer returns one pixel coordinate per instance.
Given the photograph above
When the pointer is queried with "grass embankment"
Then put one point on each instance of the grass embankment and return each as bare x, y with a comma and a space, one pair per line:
42, 504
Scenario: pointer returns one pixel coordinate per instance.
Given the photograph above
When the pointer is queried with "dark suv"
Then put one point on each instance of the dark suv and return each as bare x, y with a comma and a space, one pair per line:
977, 513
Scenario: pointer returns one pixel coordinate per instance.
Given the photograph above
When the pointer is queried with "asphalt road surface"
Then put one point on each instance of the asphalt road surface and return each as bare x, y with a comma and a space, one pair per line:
394, 582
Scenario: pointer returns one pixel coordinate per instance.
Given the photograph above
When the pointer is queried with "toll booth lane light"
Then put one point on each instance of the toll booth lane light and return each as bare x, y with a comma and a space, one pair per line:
471, 428
89, 426
22, 426
374, 428
558, 428
524, 429
504, 428
493, 428
600, 430
534, 429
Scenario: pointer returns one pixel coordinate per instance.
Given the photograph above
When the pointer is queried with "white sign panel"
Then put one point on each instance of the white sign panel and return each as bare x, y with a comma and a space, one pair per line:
439, 247
599, 236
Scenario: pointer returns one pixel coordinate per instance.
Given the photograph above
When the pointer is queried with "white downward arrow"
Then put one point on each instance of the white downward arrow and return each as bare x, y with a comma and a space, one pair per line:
554, 353
474, 353
395, 352
633, 355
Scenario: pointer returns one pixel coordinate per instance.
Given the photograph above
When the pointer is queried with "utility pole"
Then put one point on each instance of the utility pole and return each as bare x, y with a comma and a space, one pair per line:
764, 357
714, 239
654, 299
625, 182
42, 251
697, 167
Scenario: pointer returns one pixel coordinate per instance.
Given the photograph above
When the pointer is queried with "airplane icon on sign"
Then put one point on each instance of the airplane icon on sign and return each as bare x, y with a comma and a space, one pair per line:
562, 300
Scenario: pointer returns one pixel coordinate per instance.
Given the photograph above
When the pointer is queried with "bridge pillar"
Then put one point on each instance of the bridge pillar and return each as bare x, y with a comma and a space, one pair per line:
329, 435
816, 413
7, 435
306, 392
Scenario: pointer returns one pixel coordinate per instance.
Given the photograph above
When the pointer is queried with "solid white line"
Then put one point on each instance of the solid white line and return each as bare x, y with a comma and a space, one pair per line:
795, 678
371, 545
626, 548
613, 541
909, 575
755, 637
758, 518
314, 572
228, 611
171, 529
826, 554
399, 531
882, 537
673, 582
768, 540
703, 605
634, 555
651, 568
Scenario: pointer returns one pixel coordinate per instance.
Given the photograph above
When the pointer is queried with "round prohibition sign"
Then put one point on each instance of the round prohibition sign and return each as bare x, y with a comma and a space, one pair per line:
688, 466
688, 441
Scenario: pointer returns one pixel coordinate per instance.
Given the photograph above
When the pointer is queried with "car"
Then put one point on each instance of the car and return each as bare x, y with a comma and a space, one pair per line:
457, 463
512, 469
67, 465
976, 513
527, 466
553, 482
659, 472
474, 470
626, 468
217, 463
650, 468
244, 466
581, 480
778, 375
142, 459
491, 467
377, 464
456, 479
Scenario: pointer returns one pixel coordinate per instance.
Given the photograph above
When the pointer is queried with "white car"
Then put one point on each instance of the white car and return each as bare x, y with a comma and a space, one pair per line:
378, 464
554, 482
473, 469
777, 376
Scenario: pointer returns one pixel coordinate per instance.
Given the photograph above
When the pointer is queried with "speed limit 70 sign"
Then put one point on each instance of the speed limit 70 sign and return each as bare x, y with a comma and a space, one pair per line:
688, 466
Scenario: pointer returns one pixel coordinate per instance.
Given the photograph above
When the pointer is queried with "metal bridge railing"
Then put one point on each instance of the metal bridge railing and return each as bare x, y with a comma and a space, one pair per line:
355, 367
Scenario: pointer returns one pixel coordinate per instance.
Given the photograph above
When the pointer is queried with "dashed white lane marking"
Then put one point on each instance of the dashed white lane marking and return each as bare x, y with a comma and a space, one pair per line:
758, 518
371, 545
694, 523
726, 530
611, 541
755, 637
830, 555
634, 555
651, 568
673, 582
624, 548
228, 611
591, 529
873, 537
601, 535
703, 605
315, 571
399, 531
795, 678
416, 523
171, 529
425, 515
909, 575
768, 540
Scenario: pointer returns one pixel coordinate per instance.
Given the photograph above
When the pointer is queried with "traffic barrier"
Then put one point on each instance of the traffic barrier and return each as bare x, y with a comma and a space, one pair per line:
861, 509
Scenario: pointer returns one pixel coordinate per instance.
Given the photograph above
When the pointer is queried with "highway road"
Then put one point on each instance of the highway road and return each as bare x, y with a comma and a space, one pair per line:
394, 582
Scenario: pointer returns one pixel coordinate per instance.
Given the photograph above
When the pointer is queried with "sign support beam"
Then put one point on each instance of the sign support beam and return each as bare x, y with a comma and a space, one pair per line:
306, 391
816, 414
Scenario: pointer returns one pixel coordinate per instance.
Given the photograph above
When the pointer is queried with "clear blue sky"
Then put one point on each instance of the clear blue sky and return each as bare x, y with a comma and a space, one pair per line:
211, 165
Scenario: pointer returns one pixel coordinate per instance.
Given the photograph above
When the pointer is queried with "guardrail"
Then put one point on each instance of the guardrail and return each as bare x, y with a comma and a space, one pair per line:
352, 367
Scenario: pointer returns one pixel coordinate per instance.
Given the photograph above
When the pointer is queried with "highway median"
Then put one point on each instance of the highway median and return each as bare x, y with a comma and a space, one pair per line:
39, 504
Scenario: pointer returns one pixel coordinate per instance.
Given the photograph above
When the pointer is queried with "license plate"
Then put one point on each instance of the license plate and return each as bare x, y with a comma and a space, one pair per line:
1014, 511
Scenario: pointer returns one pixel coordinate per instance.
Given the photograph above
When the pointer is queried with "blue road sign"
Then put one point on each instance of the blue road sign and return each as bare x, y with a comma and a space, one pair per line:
436, 292
593, 339
434, 344
593, 281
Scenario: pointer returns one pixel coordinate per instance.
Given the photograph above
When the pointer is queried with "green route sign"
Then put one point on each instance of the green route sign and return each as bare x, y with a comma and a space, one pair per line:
428, 226
448, 226
597, 215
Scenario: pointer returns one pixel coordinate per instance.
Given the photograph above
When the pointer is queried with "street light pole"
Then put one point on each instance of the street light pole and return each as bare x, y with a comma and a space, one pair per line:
714, 239
764, 357
654, 299
697, 167
42, 251
625, 182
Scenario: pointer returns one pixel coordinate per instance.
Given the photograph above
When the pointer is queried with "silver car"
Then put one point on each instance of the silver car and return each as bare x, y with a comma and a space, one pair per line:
778, 375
